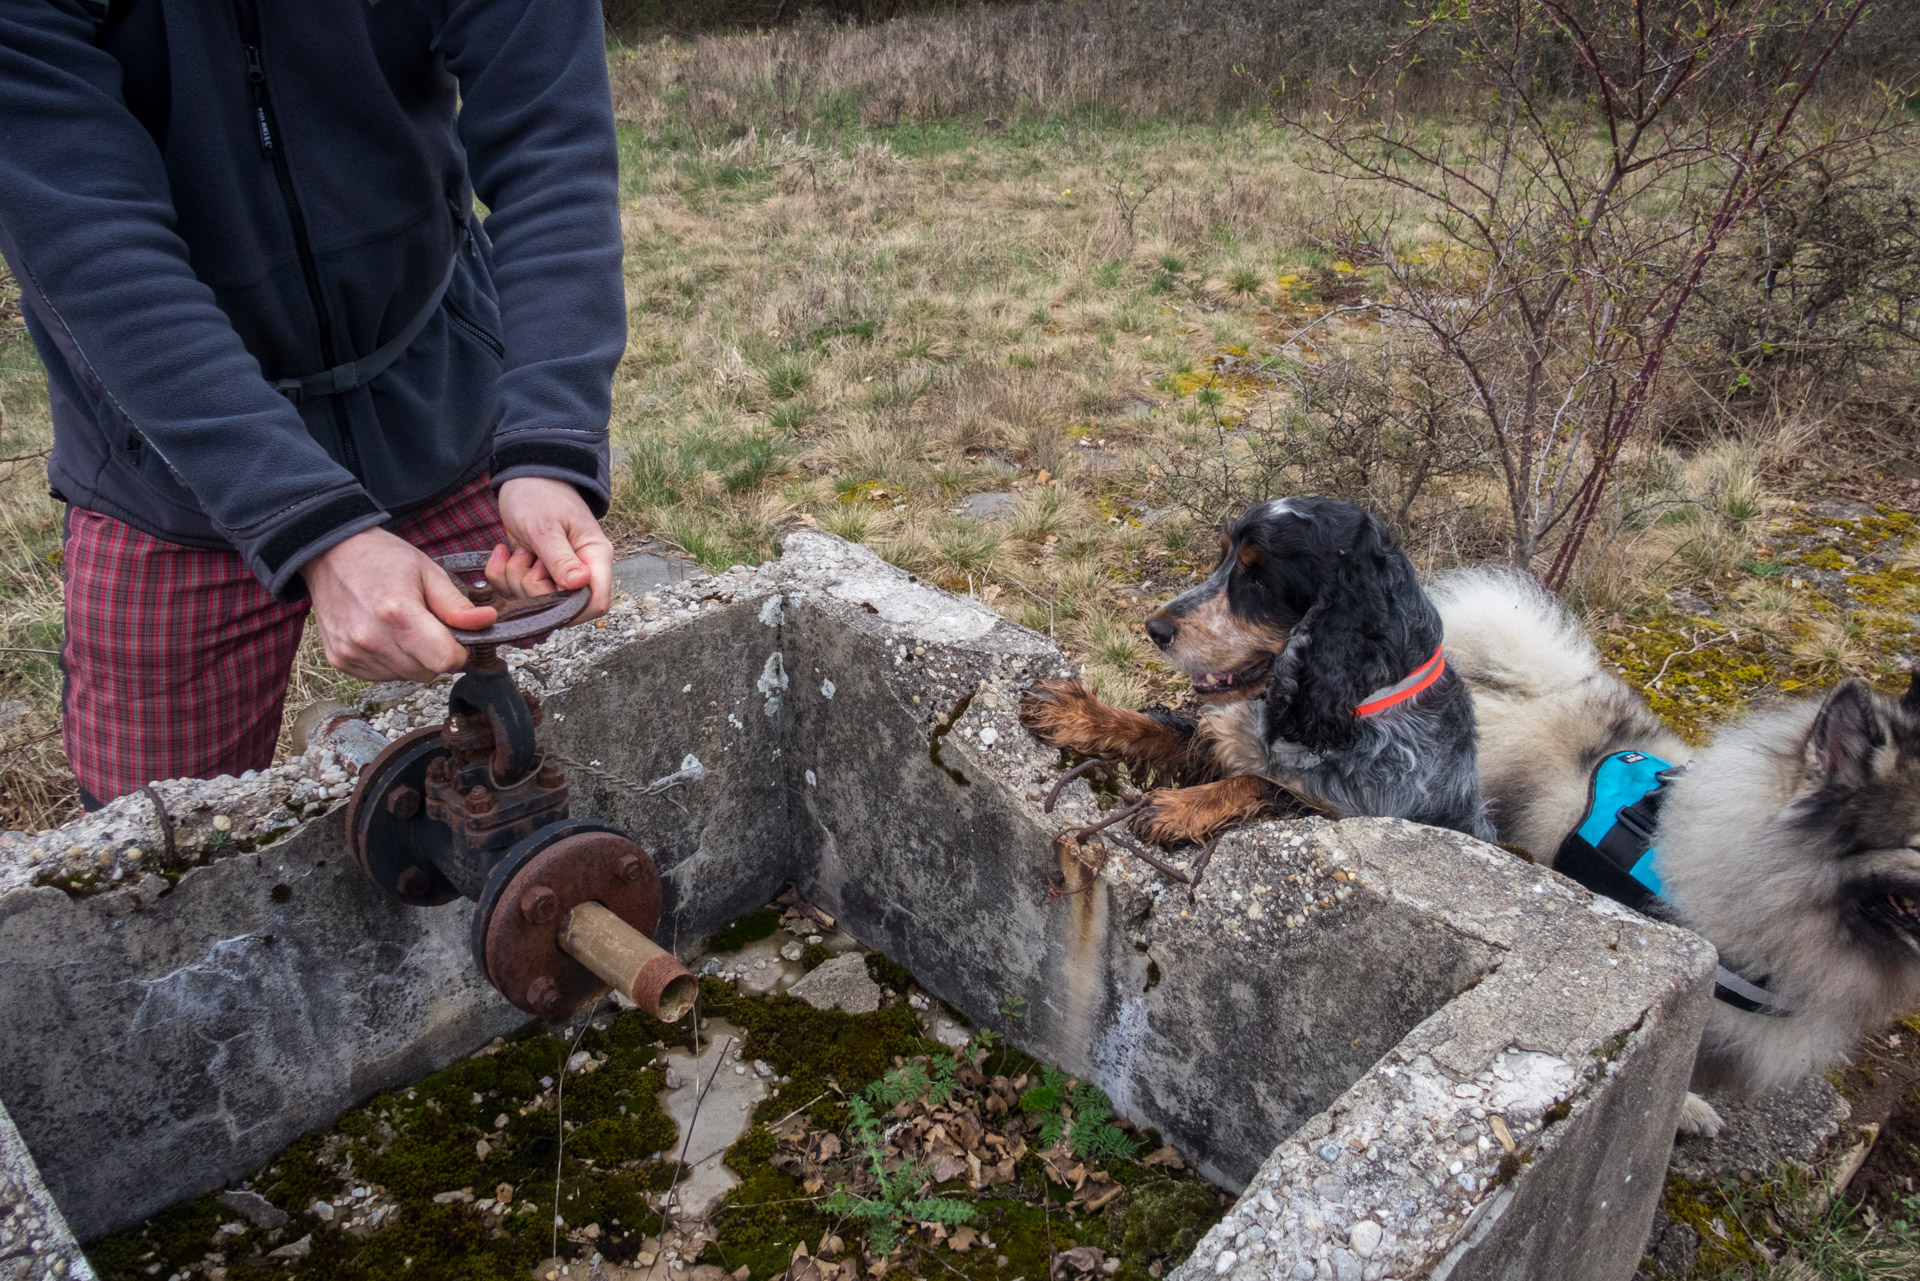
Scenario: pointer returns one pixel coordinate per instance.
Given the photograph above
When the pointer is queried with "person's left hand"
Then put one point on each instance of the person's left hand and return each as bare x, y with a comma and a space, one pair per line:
557, 544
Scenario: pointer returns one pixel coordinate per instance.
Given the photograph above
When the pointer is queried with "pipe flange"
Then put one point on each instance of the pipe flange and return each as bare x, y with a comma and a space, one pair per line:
385, 829
516, 927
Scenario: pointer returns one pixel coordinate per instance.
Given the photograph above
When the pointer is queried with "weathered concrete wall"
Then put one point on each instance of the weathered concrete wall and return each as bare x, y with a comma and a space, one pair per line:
1222, 1033
34, 1240
1335, 1020
158, 1050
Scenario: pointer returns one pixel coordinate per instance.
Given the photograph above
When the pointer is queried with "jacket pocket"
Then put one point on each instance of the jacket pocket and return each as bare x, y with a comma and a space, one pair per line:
474, 328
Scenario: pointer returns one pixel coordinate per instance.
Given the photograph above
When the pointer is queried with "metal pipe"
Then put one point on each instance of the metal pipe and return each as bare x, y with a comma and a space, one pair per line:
637, 967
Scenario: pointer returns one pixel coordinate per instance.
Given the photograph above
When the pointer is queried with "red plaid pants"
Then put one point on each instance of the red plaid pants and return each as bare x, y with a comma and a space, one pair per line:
177, 658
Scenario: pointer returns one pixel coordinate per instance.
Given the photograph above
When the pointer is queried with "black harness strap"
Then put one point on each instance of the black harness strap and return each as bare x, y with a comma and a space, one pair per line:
355, 373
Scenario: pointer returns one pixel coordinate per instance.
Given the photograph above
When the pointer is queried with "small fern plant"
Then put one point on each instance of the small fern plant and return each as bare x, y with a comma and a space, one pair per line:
1080, 1113
897, 1203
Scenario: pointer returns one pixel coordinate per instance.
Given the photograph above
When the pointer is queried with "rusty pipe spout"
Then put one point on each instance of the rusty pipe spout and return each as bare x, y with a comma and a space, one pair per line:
637, 967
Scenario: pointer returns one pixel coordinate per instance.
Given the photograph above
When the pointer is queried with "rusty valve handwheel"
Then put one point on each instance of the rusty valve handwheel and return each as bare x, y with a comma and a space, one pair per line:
519, 620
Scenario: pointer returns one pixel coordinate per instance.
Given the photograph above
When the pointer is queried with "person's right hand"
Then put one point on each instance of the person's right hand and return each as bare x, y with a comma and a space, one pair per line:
384, 609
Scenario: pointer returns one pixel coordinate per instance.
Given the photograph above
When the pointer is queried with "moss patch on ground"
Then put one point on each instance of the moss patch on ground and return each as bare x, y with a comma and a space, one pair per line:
454, 1177
1819, 599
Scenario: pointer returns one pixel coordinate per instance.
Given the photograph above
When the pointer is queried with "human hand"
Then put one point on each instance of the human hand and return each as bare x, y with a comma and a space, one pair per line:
384, 609
558, 545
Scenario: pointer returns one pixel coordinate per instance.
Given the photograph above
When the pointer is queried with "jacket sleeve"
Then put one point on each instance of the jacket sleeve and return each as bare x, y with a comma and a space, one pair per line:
87, 222
536, 119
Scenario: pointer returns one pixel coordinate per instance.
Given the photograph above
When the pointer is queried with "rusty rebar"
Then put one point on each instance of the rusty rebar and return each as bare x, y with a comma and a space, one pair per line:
1053, 797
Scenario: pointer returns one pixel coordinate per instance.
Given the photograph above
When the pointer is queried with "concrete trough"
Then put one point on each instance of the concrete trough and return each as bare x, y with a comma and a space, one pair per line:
1411, 1054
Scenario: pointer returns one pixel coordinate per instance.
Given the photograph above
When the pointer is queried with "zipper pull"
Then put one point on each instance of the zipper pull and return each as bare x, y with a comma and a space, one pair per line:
257, 80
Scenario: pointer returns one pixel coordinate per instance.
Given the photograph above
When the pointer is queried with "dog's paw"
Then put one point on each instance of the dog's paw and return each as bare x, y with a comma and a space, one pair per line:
1179, 815
1698, 1117
1060, 713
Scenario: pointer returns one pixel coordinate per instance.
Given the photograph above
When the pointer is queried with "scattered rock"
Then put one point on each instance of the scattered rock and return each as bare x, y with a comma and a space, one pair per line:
322, 1211
294, 1249
254, 1208
643, 571
1365, 1238
994, 506
792, 951
1841, 509
1690, 604
840, 984
1671, 1249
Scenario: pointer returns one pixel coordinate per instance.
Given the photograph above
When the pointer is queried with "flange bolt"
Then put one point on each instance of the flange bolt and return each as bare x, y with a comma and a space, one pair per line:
540, 905
403, 803
543, 995
629, 869
413, 882
479, 800
551, 777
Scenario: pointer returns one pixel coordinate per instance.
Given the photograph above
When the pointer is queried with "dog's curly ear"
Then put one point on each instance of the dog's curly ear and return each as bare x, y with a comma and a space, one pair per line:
1329, 664
1845, 741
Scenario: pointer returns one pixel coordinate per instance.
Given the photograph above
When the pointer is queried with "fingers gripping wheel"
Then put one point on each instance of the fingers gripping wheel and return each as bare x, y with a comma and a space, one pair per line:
519, 927
519, 620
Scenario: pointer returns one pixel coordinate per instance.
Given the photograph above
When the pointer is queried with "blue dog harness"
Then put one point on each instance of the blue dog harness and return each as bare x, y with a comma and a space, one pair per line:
1612, 853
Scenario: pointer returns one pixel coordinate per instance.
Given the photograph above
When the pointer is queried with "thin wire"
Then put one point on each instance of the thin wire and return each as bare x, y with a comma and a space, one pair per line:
560, 1110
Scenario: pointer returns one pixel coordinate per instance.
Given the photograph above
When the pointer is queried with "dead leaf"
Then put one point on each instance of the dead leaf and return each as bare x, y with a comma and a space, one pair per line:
1044, 476
965, 1129
1098, 1191
948, 1167
974, 1171
1077, 1262
963, 1239
1165, 1156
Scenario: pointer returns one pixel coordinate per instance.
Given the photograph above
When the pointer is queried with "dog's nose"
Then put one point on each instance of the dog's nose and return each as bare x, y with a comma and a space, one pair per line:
1161, 630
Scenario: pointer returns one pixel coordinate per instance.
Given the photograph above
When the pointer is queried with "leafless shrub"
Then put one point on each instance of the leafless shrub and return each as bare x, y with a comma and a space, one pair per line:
1375, 426
1570, 243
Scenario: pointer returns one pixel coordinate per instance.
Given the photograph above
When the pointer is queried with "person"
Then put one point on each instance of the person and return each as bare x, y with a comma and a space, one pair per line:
287, 362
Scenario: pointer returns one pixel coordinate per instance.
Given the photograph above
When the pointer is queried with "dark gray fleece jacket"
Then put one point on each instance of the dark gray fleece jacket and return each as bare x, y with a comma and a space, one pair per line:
202, 199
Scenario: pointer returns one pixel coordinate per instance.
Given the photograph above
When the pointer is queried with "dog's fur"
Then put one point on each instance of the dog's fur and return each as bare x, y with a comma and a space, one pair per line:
1311, 608
1788, 843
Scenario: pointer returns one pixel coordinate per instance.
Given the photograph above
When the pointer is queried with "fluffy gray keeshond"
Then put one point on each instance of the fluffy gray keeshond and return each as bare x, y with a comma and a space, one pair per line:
1789, 842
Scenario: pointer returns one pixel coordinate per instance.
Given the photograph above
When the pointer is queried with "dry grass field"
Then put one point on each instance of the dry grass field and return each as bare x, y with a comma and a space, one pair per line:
1029, 309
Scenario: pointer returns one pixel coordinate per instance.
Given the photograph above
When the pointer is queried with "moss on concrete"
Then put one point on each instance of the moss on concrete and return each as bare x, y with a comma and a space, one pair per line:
432, 1158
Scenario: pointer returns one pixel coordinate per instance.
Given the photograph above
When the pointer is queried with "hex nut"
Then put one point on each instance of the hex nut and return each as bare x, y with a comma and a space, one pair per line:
403, 803
543, 995
540, 905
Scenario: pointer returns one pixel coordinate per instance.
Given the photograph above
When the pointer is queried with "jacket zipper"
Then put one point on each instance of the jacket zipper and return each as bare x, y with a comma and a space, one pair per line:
273, 147
473, 327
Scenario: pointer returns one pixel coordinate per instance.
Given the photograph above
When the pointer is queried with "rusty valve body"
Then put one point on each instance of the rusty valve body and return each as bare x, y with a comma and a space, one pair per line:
470, 808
